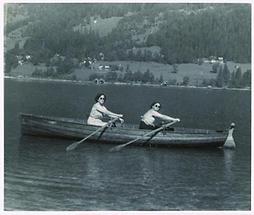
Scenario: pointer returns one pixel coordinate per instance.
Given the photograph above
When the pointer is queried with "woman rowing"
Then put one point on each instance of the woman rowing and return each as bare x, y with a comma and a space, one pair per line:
147, 121
99, 111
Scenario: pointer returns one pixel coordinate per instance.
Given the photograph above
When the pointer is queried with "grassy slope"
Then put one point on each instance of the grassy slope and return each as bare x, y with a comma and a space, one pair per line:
15, 37
195, 72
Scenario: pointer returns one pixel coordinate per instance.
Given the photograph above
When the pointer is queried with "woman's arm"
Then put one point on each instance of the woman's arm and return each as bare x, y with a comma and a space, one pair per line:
111, 114
165, 117
104, 110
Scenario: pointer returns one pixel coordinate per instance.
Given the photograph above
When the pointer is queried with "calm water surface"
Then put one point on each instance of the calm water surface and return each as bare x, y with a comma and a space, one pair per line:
40, 175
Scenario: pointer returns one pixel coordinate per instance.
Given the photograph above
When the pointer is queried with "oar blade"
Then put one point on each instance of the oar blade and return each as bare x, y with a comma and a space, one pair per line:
119, 147
72, 146
116, 148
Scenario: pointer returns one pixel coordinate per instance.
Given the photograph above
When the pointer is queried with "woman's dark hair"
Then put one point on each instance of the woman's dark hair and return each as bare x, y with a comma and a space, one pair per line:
154, 104
98, 96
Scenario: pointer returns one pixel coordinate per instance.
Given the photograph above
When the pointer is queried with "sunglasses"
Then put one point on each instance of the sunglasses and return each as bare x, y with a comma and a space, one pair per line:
102, 98
157, 106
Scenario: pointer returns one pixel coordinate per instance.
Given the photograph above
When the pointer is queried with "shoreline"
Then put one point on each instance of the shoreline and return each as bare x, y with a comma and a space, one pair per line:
30, 79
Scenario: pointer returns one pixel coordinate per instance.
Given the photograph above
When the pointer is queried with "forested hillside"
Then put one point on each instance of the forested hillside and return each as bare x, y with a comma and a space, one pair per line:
63, 37
184, 32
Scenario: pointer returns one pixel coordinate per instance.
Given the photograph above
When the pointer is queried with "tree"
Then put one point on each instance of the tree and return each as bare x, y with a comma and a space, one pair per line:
139, 55
226, 75
11, 61
186, 80
111, 76
66, 67
246, 78
232, 81
238, 77
127, 68
37, 73
50, 72
137, 76
220, 78
215, 67
147, 55
148, 77
131, 55
94, 76
128, 76
161, 79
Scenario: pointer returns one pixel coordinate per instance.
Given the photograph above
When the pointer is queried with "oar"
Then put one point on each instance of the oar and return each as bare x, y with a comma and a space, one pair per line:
119, 147
75, 144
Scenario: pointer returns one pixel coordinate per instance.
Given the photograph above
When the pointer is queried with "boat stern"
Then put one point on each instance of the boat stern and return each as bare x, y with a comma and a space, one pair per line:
230, 143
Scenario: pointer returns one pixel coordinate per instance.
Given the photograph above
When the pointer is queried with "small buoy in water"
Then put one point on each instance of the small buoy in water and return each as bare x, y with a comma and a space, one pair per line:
230, 143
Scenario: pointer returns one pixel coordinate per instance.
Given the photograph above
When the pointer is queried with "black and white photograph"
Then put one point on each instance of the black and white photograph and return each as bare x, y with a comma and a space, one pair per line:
129, 106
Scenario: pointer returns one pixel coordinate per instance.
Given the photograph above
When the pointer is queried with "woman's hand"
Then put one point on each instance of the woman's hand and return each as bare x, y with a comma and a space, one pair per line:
121, 120
177, 119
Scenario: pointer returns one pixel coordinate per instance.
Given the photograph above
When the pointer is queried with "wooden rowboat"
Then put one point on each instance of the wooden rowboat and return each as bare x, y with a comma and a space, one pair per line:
77, 129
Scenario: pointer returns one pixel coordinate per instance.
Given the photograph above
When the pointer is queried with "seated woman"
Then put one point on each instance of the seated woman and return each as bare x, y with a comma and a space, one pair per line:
147, 121
99, 111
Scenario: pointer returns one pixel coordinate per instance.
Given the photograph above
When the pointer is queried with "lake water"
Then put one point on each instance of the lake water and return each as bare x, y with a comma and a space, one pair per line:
40, 175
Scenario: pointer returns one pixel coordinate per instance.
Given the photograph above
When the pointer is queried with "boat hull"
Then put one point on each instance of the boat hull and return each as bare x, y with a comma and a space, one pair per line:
77, 129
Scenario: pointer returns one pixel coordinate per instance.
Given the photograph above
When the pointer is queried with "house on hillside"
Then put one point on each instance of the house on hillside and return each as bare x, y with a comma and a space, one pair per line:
220, 59
104, 67
89, 62
57, 58
213, 60
28, 57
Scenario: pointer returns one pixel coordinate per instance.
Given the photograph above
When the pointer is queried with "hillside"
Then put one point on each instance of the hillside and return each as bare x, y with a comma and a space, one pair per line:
168, 34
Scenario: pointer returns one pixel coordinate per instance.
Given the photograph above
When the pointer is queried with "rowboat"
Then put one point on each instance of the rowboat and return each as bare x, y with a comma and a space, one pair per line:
47, 126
